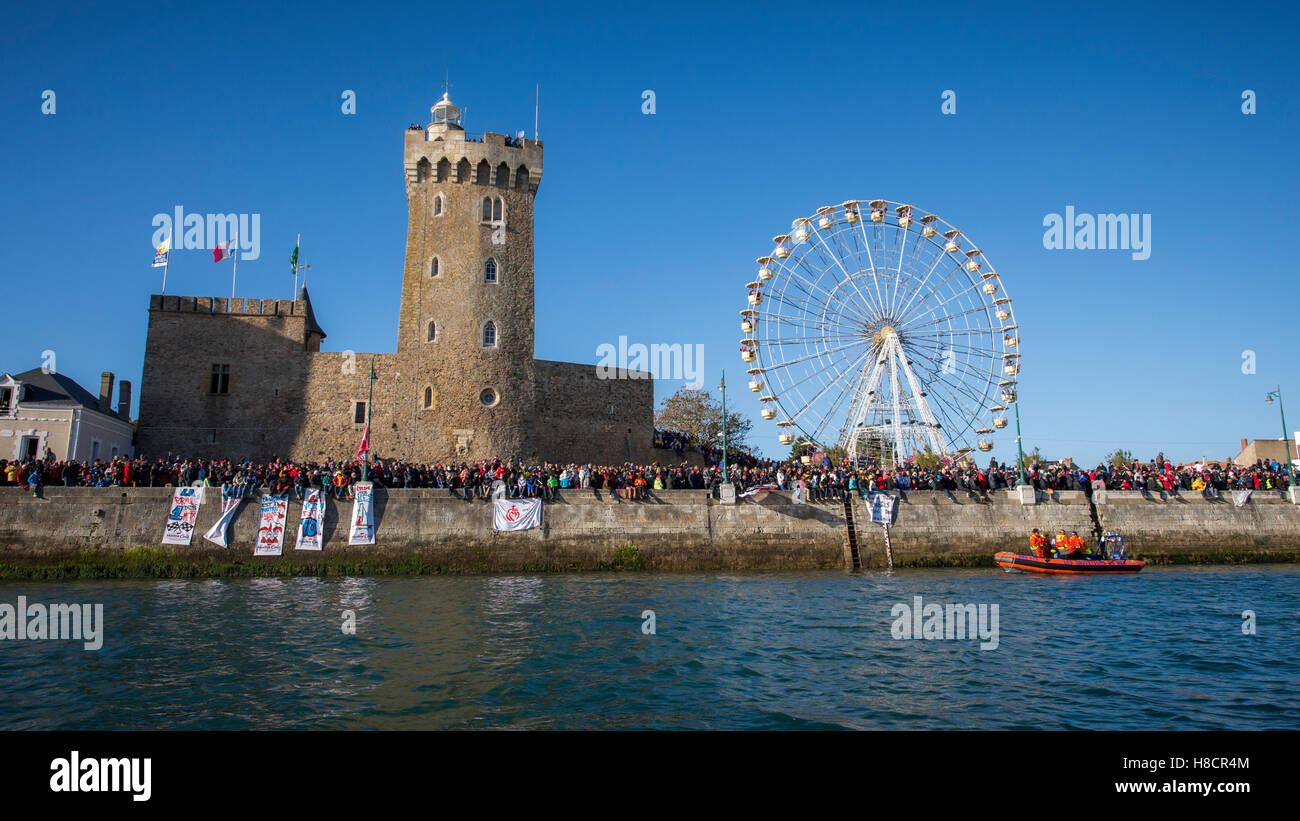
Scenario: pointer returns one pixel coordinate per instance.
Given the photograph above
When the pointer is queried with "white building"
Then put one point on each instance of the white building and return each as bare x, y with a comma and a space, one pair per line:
40, 410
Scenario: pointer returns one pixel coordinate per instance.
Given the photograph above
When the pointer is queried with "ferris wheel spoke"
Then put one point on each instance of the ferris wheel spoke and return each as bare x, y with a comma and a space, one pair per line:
966, 289
832, 259
982, 309
794, 417
807, 288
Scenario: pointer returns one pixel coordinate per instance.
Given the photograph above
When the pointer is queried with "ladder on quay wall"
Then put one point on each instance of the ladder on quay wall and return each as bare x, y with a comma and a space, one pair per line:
852, 556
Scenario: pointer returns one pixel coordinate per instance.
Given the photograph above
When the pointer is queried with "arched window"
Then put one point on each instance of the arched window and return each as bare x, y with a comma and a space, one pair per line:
487, 209
521, 177
433, 267
432, 331
498, 209
462, 170
423, 170
484, 173
428, 397
444, 170
437, 206
490, 335
490, 270
503, 176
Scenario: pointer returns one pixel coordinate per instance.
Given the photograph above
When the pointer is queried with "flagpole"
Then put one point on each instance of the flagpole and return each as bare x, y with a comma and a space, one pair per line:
297, 251
234, 269
167, 261
370, 401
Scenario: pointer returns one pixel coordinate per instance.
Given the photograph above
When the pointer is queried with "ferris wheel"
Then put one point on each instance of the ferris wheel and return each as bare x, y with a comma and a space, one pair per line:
883, 330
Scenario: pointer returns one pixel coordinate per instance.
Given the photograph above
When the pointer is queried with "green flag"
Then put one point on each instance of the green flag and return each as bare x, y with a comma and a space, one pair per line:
293, 261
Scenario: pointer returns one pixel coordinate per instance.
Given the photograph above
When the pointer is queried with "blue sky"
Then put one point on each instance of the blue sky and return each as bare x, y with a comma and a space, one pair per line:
647, 225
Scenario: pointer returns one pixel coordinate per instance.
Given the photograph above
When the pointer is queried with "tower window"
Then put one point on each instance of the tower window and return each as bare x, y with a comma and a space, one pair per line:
220, 382
490, 335
433, 267
428, 397
498, 209
437, 206
359, 413
432, 331
488, 397
483, 173
487, 209
490, 270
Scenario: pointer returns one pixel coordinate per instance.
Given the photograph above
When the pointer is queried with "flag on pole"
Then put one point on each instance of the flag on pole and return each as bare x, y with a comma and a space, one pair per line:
365, 445
293, 261
160, 255
223, 251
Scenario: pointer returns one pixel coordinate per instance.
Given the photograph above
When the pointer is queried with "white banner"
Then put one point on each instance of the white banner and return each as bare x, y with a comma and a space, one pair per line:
363, 515
516, 514
882, 509
231, 496
270, 526
182, 514
1239, 497
312, 522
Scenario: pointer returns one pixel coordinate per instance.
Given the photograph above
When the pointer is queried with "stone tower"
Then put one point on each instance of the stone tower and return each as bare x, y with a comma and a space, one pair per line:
465, 329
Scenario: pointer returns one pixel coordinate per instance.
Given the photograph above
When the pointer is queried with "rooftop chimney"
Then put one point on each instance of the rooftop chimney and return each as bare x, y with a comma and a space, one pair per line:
124, 400
106, 391
1243, 444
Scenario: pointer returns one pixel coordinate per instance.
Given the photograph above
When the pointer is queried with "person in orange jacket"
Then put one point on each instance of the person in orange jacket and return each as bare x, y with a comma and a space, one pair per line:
1038, 543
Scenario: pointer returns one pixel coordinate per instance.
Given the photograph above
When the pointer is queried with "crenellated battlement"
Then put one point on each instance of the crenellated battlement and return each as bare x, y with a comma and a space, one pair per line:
222, 305
445, 152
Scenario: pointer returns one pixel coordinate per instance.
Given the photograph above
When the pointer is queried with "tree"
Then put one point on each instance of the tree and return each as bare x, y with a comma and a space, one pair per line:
698, 415
1033, 457
929, 460
1120, 458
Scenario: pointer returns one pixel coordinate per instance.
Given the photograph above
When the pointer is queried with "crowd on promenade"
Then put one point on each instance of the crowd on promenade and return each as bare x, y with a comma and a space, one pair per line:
821, 480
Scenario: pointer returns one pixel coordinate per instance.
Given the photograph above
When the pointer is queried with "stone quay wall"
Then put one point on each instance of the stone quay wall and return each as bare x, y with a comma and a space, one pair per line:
670, 530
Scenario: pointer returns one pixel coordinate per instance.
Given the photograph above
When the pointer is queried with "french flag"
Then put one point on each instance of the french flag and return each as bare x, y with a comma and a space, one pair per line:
223, 251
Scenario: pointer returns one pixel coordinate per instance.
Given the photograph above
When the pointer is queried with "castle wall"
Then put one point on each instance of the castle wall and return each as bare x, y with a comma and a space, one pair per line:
263, 342
581, 418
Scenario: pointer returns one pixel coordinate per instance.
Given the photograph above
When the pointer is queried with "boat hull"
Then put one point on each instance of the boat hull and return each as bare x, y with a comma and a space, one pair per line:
1033, 564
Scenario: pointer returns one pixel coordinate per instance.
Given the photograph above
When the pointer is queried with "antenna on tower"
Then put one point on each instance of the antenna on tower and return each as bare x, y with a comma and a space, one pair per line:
537, 109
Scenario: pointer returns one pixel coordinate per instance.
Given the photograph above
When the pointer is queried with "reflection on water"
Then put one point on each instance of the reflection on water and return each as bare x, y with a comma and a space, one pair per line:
1163, 649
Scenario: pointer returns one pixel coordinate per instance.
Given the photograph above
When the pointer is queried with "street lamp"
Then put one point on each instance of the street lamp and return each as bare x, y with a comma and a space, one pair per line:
1286, 440
1020, 475
722, 388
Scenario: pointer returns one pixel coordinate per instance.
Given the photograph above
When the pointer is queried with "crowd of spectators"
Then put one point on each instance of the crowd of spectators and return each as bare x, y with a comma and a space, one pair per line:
819, 480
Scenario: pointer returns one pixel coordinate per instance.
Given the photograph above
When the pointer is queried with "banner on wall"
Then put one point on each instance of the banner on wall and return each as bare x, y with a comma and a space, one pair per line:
312, 523
182, 514
270, 526
882, 509
231, 496
1240, 497
362, 530
516, 514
